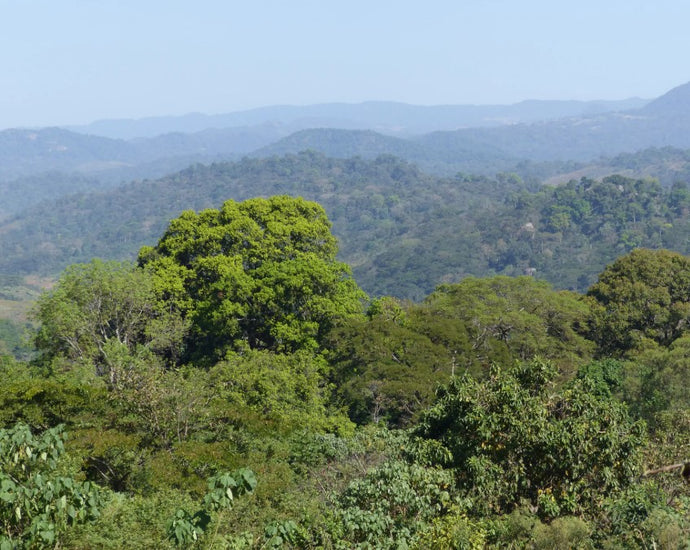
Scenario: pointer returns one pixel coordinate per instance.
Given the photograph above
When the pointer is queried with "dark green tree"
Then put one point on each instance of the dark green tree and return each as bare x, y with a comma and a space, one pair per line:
512, 318
640, 300
658, 379
385, 370
514, 438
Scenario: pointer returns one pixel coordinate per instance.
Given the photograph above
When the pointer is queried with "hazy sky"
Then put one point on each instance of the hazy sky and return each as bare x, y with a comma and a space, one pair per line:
75, 61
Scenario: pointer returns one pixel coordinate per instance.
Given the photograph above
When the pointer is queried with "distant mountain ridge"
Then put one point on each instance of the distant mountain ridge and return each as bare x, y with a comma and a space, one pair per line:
25, 152
673, 103
663, 123
385, 117
506, 140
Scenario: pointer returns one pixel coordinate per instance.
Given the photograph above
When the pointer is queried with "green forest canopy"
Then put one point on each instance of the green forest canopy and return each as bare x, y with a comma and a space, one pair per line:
236, 359
402, 232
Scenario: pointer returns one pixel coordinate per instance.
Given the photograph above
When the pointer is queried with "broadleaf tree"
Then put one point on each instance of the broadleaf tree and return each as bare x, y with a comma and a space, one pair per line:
514, 437
259, 274
641, 300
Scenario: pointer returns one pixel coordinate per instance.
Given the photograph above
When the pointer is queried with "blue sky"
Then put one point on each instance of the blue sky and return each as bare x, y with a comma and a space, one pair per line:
75, 61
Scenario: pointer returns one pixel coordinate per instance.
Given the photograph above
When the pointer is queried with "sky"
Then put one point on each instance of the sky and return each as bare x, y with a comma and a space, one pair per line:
75, 61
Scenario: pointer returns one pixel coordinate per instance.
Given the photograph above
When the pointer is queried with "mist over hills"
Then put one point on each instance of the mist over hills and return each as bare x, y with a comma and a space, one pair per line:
491, 139
386, 117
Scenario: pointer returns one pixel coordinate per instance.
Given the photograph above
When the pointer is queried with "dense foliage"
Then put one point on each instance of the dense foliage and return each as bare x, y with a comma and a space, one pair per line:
512, 439
236, 360
402, 231
388, 365
261, 274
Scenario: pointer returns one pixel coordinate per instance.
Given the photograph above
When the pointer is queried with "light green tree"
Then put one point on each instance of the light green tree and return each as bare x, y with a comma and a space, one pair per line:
92, 306
260, 274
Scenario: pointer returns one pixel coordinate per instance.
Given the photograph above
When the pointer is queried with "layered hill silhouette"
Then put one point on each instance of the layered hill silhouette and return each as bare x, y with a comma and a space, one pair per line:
386, 117
39, 163
662, 123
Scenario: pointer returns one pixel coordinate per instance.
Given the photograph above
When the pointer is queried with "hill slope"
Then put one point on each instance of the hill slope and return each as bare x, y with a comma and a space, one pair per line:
374, 205
403, 231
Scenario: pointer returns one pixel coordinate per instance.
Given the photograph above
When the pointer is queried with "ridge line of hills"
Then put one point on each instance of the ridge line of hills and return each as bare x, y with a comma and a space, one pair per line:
585, 132
387, 117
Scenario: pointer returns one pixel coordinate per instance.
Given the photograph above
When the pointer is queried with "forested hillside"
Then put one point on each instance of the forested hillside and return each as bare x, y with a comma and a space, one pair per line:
464, 362
564, 234
234, 387
402, 231
374, 205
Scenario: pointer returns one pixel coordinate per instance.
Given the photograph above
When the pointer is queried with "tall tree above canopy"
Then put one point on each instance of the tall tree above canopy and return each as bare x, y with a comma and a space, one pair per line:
259, 274
643, 296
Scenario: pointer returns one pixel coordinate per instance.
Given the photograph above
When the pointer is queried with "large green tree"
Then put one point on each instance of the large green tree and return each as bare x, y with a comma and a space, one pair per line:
513, 437
641, 299
260, 274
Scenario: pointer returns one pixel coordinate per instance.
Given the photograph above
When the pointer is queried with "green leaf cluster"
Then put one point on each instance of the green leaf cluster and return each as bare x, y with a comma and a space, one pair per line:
514, 438
261, 274
186, 529
37, 505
